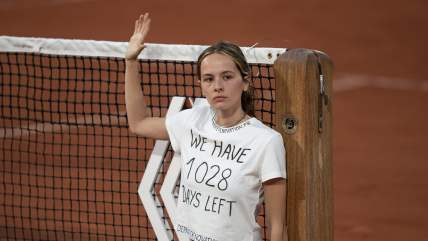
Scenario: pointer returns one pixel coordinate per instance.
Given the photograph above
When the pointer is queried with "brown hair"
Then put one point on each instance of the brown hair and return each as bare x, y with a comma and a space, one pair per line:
232, 50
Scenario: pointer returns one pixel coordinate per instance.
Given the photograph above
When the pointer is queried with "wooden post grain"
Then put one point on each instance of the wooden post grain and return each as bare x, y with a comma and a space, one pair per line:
299, 107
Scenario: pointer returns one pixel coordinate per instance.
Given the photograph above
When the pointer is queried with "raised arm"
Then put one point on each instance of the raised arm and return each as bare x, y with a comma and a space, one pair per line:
275, 195
139, 119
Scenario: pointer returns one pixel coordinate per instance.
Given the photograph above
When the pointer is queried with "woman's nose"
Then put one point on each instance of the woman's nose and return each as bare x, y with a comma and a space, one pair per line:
218, 85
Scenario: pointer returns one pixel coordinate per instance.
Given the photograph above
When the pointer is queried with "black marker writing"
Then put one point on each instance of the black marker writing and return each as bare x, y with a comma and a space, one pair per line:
191, 197
218, 205
229, 151
197, 141
206, 173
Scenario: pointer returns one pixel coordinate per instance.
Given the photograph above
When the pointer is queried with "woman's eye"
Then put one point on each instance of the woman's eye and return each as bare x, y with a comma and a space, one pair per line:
207, 79
226, 77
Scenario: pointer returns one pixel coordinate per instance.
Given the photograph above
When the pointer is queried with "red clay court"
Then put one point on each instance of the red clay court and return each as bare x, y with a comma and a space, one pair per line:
380, 85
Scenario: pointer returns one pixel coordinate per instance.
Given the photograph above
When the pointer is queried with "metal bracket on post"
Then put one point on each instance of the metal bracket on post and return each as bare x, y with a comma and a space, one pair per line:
323, 97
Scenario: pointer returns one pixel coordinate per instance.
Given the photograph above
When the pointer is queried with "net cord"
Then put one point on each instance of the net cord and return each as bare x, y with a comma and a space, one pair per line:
174, 52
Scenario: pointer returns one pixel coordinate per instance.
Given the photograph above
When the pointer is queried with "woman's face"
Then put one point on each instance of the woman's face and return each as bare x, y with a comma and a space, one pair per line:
221, 82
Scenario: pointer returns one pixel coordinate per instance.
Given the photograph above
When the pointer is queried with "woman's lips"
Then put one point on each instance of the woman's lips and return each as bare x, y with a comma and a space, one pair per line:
219, 98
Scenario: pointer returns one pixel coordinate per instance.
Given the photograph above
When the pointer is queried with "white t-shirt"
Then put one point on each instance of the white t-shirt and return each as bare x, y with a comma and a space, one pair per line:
222, 172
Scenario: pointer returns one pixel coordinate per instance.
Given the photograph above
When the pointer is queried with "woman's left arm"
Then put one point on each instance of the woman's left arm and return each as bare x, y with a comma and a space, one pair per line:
275, 194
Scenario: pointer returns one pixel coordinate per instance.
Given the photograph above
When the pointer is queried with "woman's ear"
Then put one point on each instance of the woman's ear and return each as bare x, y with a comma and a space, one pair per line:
246, 83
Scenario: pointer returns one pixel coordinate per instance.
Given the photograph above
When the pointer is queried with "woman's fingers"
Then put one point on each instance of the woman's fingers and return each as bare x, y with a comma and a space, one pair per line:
136, 26
136, 42
146, 27
146, 17
143, 22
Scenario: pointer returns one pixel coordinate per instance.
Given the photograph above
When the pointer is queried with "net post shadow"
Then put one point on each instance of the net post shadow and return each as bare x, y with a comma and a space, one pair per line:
304, 118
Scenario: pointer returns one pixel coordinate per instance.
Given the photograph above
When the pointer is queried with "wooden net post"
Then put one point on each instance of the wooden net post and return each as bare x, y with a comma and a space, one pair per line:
304, 118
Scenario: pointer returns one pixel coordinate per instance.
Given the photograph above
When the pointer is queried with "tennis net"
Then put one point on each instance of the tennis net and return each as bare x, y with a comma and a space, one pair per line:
70, 168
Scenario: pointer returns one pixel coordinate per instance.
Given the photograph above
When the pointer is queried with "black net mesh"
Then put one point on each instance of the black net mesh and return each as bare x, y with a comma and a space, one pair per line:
70, 168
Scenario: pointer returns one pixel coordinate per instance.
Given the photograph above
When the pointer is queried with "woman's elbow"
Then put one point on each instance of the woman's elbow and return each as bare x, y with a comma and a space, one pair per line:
133, 128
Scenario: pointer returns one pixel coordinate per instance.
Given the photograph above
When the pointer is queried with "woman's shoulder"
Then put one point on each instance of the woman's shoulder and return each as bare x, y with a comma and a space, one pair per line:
200, 109
261, 129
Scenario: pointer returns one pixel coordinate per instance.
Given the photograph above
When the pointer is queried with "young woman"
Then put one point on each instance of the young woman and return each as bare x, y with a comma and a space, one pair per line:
231, 162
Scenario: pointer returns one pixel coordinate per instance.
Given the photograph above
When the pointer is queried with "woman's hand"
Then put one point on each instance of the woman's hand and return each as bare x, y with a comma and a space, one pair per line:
136, 43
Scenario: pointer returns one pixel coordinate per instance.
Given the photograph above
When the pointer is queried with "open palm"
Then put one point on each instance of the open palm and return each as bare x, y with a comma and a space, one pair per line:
136, 42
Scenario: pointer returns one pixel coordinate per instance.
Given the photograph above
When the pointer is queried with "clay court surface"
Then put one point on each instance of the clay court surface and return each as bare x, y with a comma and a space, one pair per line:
380, 95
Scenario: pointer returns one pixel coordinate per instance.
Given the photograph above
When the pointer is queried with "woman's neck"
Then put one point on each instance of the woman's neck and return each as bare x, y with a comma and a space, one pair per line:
229, 118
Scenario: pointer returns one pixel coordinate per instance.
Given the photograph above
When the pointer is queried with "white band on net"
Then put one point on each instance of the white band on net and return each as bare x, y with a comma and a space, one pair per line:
174, 52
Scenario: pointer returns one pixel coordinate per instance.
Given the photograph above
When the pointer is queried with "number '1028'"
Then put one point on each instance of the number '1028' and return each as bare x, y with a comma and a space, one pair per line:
205, 173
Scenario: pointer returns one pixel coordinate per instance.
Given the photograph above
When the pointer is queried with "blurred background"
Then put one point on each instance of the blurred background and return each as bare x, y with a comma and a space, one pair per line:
380, 82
